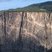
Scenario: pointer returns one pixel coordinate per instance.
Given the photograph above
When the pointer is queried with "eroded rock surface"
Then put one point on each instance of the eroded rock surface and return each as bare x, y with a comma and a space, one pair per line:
36, 31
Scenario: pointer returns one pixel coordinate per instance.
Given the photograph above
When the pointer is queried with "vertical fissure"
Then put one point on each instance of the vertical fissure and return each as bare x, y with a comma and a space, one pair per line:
20, 33
4, 26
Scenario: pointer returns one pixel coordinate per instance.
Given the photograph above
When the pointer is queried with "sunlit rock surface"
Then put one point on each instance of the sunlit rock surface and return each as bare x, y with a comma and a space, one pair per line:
36, 31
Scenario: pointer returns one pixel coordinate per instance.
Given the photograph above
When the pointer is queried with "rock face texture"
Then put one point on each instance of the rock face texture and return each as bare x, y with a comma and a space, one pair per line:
25, 31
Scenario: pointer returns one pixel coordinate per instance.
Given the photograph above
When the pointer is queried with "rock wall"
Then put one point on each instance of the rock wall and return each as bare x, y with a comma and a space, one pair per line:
32, 29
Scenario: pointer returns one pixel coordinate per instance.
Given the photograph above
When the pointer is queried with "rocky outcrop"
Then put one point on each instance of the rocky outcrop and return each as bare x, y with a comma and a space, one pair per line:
32, 28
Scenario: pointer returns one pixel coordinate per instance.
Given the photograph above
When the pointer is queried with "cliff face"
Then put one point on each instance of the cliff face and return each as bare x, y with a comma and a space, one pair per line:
29, 27
39, 26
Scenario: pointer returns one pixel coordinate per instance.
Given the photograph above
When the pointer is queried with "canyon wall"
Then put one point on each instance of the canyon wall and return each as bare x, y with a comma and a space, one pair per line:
31, 29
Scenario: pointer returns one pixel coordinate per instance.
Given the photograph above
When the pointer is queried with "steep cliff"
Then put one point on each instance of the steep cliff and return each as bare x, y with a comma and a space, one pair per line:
32, 28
